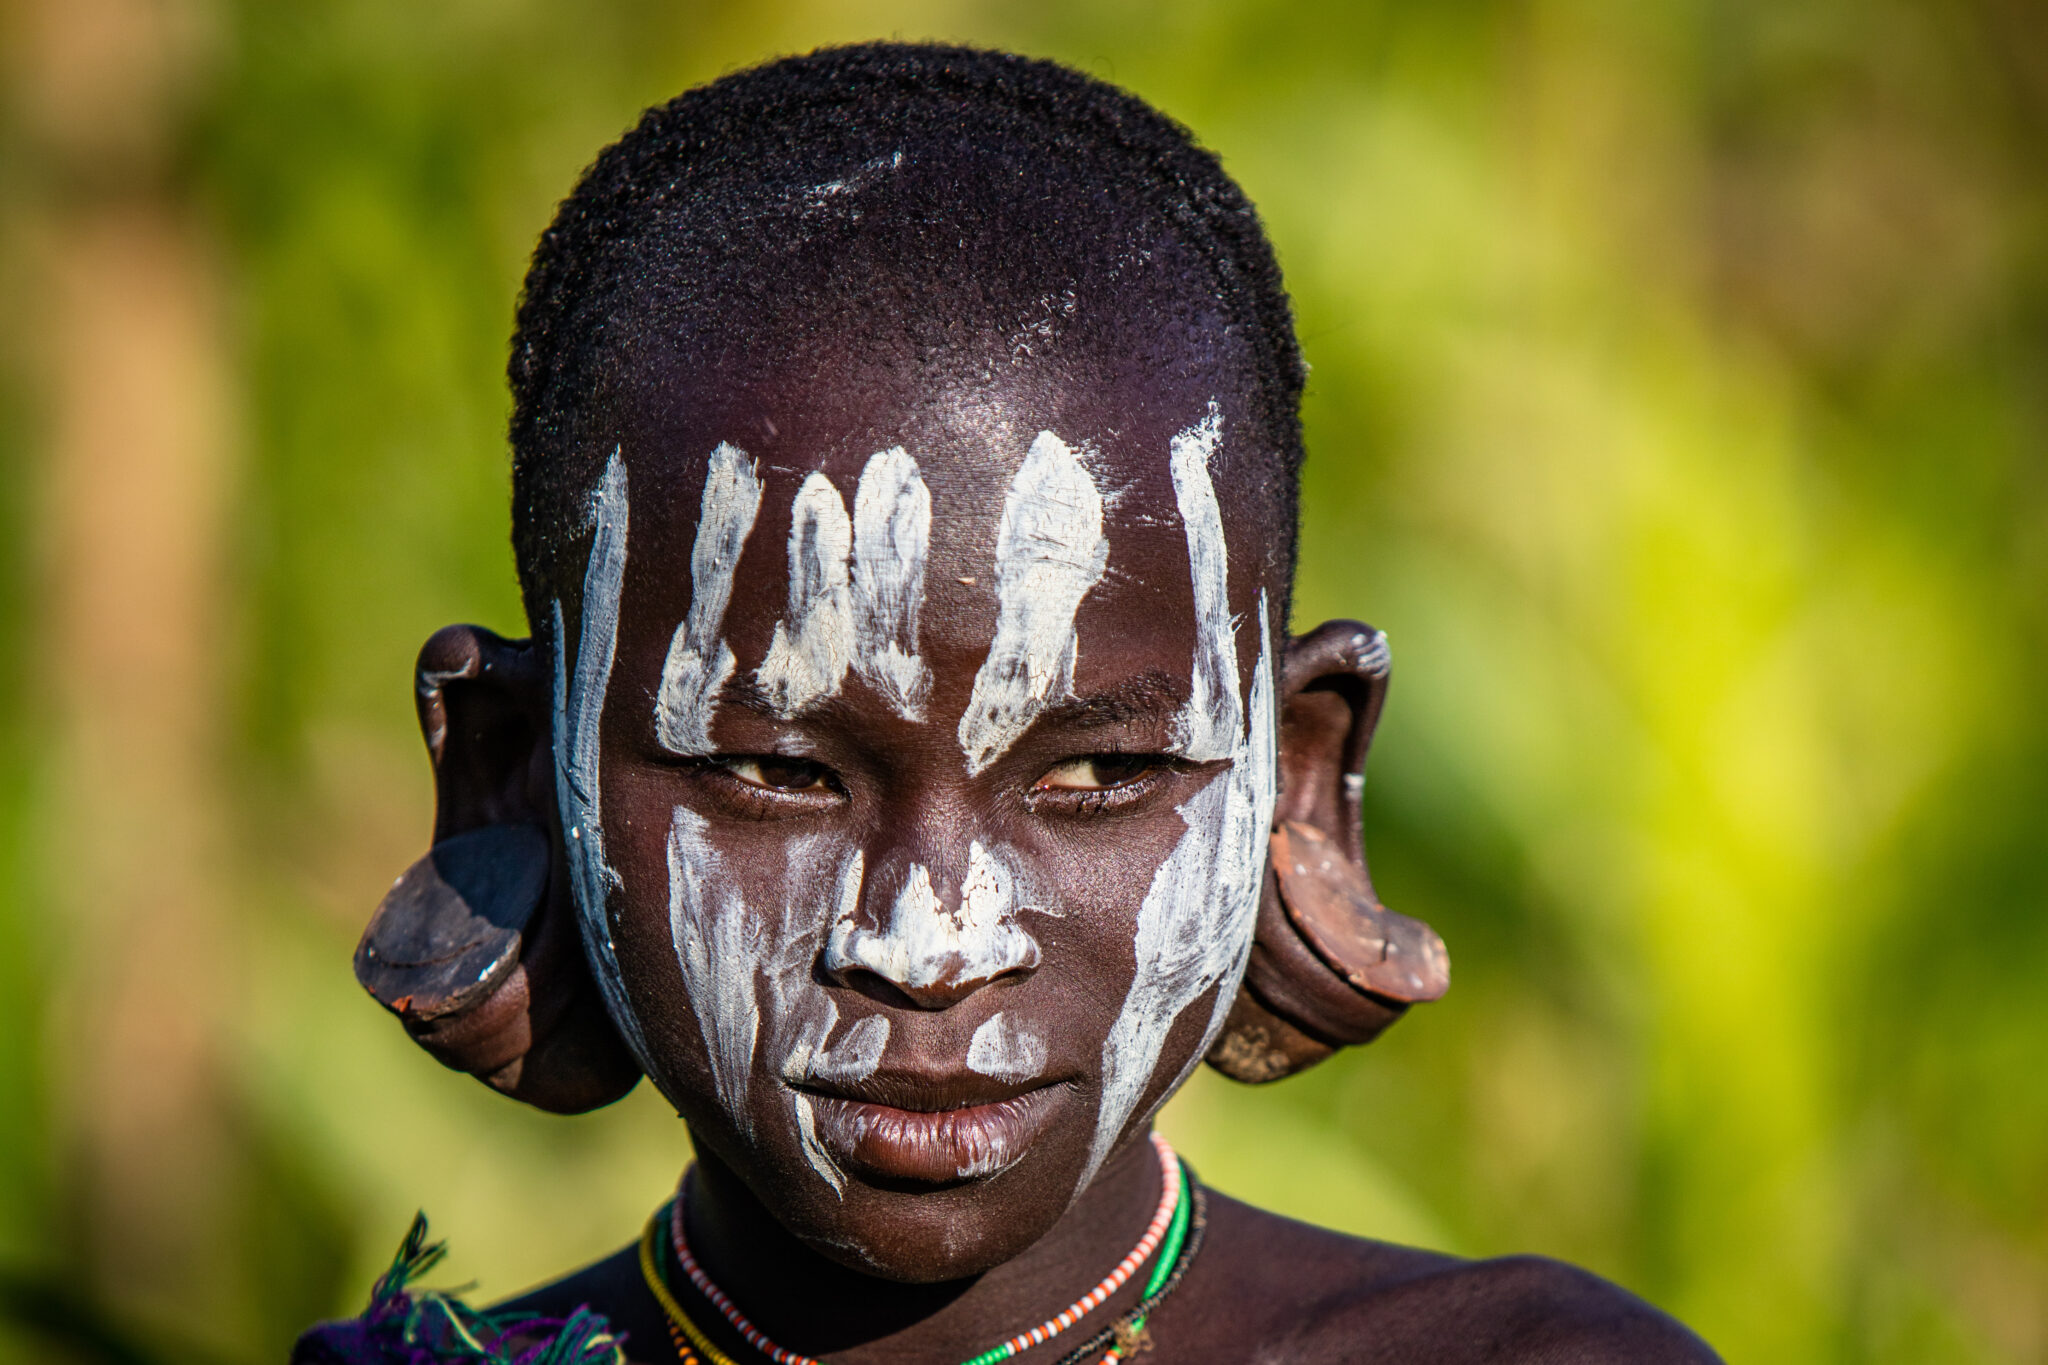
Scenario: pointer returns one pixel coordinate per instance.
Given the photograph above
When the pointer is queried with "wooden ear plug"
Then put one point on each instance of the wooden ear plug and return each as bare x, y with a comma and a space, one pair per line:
448, 933
1330, 966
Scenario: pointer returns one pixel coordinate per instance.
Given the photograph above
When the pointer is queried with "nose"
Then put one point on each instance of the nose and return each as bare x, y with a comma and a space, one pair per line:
931, 953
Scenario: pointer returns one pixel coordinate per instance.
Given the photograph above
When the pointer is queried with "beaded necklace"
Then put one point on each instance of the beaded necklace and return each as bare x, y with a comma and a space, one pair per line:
1179, 1210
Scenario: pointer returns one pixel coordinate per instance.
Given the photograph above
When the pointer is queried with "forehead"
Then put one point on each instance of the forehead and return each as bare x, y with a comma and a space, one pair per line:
969, 435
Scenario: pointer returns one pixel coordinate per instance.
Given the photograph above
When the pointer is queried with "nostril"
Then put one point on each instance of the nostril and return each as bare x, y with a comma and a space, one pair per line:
877, 988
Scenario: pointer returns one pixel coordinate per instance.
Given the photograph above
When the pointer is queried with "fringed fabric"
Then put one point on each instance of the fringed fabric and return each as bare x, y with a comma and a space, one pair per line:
405, 1325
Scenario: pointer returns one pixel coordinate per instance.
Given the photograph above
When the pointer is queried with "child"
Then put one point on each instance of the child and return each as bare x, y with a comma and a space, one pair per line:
906, 444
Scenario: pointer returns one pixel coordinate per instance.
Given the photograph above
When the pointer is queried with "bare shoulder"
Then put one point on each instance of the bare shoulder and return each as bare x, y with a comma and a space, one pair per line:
1267, 1288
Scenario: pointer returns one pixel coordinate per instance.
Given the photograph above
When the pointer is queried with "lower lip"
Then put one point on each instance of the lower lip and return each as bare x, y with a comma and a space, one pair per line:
935, 1148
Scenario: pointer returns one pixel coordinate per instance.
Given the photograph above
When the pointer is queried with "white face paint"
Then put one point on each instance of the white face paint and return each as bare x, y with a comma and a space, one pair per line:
579, 708
927, 944
699, 660
1050, 551
892, 527
813, 646
1005, 1051
1195, 926
1210, 725
719, 945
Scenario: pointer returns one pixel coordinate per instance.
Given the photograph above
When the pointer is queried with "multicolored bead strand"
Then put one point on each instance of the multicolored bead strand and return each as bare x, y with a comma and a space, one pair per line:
1169, 1223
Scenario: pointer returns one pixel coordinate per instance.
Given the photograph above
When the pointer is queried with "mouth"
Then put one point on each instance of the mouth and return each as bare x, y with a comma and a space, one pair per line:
921, 1130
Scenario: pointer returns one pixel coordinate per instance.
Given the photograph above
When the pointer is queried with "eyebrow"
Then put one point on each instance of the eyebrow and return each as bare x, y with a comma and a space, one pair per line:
1140, 697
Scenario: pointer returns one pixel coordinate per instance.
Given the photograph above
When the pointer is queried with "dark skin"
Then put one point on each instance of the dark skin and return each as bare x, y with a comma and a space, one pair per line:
932, 1267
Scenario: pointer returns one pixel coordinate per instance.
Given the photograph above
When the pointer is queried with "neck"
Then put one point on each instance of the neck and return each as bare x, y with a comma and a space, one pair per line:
813, 1305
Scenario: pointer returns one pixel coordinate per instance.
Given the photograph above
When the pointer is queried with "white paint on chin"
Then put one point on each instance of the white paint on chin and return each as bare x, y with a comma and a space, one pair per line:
1194, 928
1005, 1051
1050, 550
813, 646
927, 944
892, 526
1210, 726
579, 709
699, 660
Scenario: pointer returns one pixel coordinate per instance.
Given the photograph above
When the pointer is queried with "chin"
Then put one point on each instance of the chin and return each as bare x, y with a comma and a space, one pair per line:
925, 1196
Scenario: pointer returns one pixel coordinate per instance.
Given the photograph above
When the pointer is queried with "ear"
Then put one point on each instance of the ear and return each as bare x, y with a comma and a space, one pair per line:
1330, 966
476, 948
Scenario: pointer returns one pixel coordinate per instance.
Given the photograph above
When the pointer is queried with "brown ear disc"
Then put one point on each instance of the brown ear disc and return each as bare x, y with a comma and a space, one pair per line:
1330, 966
447, 934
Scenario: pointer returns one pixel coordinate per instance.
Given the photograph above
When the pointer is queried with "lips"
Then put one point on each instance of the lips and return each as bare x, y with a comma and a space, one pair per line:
931, 1131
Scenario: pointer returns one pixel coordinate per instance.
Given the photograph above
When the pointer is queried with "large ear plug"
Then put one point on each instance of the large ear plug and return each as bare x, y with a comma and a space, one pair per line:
1330, 965
475, 948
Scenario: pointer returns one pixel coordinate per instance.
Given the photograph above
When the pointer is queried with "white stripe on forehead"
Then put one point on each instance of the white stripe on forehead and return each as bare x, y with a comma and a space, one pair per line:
892, 527
1209, 726
699, 660
1050, 551
579, 707
808, 658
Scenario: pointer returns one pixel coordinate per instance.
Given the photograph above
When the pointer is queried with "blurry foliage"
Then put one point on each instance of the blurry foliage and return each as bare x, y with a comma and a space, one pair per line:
1678, 407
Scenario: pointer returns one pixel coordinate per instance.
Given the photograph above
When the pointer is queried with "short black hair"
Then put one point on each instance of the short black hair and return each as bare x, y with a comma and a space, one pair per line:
707, 202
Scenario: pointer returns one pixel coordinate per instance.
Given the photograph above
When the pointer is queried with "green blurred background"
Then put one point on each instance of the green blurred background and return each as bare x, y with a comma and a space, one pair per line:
1679, 400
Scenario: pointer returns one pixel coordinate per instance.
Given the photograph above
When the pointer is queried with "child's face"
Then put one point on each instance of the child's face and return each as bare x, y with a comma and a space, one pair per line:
920, 904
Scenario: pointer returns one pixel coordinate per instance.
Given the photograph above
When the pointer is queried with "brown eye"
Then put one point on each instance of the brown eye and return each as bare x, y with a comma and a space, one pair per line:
777, 773
1098, 772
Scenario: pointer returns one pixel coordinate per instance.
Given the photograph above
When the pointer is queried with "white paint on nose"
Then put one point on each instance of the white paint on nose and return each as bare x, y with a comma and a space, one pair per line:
928, 945
1005, 1051
892, 527
1050, 550
699, 660
813, 645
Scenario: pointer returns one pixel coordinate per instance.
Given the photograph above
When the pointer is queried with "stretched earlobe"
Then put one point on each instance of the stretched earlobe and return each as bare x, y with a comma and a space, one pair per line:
1330, 965
475, 947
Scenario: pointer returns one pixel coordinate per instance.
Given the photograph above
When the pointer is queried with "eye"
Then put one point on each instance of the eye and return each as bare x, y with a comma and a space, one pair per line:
776, 773
1099, 772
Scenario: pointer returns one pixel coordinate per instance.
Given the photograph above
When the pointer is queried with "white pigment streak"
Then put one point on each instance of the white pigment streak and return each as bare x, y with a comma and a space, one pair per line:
857, 1053
579, 707
1209, 726
808, 658
718, 946
892, 527
1195, 926
801, 1016
1005, 1051
927, 944
1050, 551
814, 1151
699, 660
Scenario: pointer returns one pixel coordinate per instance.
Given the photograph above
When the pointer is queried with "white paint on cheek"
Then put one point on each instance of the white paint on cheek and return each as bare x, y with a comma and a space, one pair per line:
699, 660
801, 1016
579, 708
1195, 925
928, 945
1050, 550
813, 646
1210, 725
892, 527
719, 946
1005, 1051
